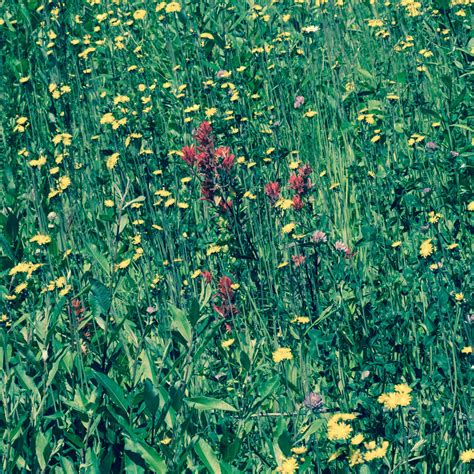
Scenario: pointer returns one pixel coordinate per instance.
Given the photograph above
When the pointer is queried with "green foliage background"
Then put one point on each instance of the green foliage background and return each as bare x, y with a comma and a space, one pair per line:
111, 349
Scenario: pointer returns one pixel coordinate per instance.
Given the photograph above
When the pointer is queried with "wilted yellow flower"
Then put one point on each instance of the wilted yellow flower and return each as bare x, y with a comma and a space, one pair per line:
227, 343
357, 439
123, 264
288, 228
112, 161
41, 239
299, 450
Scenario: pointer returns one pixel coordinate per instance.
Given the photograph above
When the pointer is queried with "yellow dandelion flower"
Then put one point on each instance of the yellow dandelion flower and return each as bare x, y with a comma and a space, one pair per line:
282, 353
466, 350
426, 248
139, 14
288, 466
339, 431
378, 452
173, 7
467, 456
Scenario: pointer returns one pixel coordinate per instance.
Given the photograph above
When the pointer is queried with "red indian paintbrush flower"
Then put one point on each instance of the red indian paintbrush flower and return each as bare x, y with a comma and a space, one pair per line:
189, 154
273, 190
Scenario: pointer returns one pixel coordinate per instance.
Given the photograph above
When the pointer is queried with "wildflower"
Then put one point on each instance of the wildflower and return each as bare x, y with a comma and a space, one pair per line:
173, 7
298, 260
112, 161
313, 401
357, 439
426, 248
459, 297
466, 350
319, 237
63, 183
297, 202
342, 247
431, 146
226, 157
227, 343
282, 353
288, 466
377, 452
299, 101
300, 320
139, 14
272, 190
310, 113
123, 264
396, 244
356, 458
288, 228
467, 456
41, 239
399, 398
338, 431
299, 450
207, 276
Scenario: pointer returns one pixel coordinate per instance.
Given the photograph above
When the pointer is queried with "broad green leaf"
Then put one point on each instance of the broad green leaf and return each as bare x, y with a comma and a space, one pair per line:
209, 403
27, 381
149, 455
207, 456
98, 257
101, 295
113, 390
41, 444
180, 323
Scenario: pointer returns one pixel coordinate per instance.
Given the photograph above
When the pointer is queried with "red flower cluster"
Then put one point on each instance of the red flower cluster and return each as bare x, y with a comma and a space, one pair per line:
213, 163
226, 296
300, 183
273, 190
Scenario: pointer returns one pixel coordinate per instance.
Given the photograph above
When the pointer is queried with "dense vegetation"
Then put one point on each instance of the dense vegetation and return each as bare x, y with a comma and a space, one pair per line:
235, 236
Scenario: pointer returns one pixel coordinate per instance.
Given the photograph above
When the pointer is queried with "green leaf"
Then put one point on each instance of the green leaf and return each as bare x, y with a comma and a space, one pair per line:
98, 257
207, 456
5, 246
101, 295
40, 447
27, 381
113, 390
149, 455
209, 403
180, 323
152, 399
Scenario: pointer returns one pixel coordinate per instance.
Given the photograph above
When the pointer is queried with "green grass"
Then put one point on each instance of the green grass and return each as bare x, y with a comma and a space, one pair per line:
115, 356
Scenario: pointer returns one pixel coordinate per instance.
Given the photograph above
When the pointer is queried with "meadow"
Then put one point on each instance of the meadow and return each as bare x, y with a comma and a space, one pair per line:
235, 236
